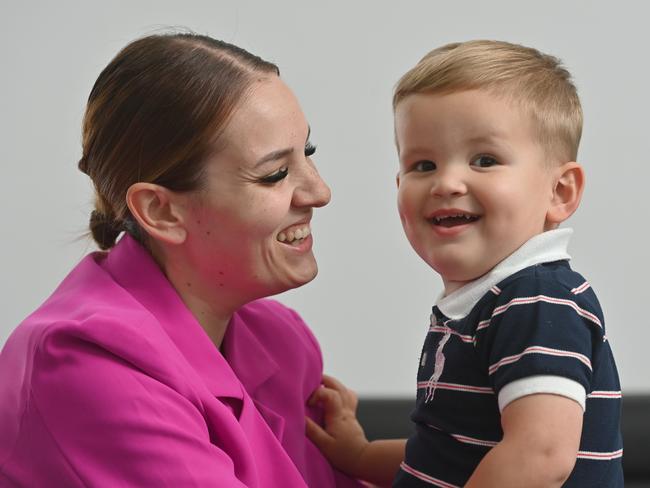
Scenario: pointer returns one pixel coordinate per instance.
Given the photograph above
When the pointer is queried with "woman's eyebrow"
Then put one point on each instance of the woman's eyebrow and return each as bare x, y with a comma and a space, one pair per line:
280, 153
274, 156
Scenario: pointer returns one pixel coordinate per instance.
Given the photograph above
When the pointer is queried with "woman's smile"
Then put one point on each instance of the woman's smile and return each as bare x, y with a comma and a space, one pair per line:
295, 234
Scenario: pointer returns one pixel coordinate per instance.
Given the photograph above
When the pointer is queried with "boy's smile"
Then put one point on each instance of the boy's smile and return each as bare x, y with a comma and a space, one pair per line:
474, 182
450, 221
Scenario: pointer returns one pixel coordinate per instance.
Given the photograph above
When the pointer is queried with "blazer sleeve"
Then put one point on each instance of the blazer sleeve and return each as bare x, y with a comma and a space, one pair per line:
103, 422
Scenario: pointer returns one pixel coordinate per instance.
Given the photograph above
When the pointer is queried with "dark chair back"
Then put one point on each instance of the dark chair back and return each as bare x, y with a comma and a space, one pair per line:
386, 418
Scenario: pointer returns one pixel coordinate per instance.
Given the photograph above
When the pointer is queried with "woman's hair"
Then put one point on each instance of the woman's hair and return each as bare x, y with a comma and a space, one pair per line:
532, 80
154, 114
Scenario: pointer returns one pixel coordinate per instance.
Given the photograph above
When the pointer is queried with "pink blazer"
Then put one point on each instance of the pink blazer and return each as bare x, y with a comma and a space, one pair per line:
112, 382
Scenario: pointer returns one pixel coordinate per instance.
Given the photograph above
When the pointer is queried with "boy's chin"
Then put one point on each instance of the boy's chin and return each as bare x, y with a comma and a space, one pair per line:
452, 270
457, 278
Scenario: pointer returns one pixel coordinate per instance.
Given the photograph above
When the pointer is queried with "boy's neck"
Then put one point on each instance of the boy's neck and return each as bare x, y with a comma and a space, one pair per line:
452, 286
459, 296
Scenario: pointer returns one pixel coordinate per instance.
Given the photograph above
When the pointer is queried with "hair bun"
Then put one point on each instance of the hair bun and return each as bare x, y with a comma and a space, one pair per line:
104, 229
83, 165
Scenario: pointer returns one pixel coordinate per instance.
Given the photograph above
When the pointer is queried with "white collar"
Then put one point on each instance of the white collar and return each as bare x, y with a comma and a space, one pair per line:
543, 248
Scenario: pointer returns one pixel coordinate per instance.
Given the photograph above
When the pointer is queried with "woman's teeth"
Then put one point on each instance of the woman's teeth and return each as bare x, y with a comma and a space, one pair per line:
294, 236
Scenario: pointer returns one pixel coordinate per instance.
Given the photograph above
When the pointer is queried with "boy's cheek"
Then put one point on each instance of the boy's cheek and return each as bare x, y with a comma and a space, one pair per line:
402, 209
402, 218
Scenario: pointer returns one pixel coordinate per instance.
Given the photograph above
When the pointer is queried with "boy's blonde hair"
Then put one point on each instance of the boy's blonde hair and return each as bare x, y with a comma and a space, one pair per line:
535, 81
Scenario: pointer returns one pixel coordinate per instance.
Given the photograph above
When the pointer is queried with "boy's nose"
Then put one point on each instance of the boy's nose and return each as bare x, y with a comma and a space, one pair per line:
312, 191
448, 182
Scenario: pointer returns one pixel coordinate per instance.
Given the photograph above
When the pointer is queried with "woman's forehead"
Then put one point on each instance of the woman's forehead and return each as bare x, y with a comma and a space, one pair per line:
268, 119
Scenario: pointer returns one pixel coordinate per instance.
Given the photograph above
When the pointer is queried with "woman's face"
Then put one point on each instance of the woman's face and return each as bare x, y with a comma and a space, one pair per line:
249, 227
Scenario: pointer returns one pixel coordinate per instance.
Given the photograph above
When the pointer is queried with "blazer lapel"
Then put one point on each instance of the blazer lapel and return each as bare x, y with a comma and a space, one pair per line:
254, 367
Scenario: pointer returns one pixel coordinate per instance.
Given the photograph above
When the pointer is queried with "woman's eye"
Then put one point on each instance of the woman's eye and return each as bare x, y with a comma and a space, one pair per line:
275, 177
484, 161
423, 166
310, 149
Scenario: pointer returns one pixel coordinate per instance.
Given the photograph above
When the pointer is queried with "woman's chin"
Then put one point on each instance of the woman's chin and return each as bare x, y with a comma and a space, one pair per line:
295, 278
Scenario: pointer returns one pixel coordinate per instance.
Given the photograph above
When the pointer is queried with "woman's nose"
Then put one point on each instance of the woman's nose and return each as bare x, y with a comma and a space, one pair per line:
312, 190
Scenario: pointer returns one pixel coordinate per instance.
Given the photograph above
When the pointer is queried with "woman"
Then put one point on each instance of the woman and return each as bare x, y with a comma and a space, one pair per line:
155, 363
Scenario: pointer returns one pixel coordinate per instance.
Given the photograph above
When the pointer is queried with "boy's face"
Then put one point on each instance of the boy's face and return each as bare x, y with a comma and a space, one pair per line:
473, 185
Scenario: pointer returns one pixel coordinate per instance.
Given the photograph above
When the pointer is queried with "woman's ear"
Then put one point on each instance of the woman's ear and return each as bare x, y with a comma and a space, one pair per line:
569, 183
157, 211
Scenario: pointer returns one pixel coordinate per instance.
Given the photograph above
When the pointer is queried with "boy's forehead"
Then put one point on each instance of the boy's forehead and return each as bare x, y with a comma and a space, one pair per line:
475, 120
471, 116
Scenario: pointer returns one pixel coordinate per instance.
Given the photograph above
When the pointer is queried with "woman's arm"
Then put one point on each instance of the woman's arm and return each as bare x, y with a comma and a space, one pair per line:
343, 441
95, 419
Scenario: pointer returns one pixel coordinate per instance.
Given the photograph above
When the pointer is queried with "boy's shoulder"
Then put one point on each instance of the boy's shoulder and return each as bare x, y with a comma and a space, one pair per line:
555, 274
551, 283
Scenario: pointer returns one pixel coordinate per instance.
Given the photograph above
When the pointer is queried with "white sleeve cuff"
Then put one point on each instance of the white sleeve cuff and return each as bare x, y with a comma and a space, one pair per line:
553, 385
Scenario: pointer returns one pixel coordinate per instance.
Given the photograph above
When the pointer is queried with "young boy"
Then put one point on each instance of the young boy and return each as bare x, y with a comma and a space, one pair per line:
517, 385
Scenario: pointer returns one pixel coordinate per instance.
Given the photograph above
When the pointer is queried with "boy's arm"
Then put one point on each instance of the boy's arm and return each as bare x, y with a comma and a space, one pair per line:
541, 437
343, 441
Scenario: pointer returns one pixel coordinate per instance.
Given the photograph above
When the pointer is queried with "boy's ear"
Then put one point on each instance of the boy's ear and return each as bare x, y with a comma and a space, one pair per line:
157, 211
397, 179
569, 183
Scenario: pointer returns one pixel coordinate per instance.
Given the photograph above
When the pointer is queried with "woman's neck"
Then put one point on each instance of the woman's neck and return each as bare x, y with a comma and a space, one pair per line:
214, 321
212, 308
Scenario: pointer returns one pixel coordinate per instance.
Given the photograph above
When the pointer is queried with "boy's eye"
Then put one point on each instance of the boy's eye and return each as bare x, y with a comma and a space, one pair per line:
484, 161
310, 149
422, 166
275, 177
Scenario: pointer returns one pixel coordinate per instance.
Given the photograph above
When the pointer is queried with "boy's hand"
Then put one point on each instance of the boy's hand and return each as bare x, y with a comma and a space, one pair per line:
342, 441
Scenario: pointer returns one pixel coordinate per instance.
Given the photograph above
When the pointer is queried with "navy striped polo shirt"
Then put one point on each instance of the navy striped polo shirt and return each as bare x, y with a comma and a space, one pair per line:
531, 325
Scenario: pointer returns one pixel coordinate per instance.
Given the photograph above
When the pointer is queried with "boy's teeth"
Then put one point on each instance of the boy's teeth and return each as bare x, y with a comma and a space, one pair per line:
457, 216
453, 220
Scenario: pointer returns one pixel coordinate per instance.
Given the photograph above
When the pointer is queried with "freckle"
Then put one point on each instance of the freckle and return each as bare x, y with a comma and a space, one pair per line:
198, 222
189, 285
207, 233
220, 284
221, 273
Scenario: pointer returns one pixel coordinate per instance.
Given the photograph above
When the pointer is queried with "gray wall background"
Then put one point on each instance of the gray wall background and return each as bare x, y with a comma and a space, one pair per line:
370, 305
